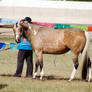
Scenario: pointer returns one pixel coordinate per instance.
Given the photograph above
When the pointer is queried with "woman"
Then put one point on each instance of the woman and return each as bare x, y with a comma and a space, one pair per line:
25, 52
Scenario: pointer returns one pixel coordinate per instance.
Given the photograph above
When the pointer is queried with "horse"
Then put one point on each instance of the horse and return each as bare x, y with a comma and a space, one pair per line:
46, 40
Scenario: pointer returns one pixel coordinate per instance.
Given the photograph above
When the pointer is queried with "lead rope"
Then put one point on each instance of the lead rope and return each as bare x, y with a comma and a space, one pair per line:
54, 61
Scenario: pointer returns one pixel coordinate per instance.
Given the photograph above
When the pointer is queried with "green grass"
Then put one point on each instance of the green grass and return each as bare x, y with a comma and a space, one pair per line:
55, 79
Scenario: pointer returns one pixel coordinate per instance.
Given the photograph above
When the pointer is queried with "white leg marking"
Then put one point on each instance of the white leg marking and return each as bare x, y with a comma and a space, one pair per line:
89, 74
34, 75
73, 74
41, 74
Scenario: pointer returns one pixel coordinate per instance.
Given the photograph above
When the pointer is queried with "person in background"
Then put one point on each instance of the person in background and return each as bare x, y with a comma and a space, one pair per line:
25, 52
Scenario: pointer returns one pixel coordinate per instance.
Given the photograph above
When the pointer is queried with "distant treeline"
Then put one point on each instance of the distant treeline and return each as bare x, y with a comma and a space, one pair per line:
78, 0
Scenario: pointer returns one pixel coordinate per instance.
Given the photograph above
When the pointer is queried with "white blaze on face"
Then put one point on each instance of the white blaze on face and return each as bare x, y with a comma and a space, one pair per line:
16, 32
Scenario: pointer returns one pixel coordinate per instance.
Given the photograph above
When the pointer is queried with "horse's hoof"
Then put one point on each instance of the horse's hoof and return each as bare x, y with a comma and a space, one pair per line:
34, 77
69, 80
88, 80
41, 78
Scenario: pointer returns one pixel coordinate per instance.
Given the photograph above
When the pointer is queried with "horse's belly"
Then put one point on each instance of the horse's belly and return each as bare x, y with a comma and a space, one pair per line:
55, 50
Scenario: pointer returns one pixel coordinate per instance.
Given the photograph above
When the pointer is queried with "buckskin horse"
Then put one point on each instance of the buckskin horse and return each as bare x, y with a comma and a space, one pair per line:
45, 40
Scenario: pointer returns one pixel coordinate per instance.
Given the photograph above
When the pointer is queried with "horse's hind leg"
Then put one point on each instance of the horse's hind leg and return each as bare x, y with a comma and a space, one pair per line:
41, 66
89, 69
76, 64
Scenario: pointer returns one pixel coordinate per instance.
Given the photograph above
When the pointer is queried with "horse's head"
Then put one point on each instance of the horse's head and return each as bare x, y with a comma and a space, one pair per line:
17, 32
30, 29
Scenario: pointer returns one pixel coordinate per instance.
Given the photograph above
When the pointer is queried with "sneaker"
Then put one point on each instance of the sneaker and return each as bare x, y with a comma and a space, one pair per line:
16, 75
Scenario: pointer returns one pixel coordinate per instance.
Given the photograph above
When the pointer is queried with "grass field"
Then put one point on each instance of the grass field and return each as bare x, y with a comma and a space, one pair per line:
55, 79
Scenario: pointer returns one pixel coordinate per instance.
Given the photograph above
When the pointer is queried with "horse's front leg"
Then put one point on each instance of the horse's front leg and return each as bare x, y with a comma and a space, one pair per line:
41, 67
39, 61
36, 67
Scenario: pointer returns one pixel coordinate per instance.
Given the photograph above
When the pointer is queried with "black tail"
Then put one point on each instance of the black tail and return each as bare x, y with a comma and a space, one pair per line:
85, 58
85, 68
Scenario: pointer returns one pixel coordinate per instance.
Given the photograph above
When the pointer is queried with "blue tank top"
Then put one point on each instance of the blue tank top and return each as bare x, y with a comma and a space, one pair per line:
24, 45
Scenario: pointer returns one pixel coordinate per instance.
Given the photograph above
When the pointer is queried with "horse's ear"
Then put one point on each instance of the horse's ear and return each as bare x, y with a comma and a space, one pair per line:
6, 25
24, 25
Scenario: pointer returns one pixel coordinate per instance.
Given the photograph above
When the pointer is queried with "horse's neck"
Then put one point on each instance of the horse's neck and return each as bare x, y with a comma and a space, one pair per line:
28, 36
34, 29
